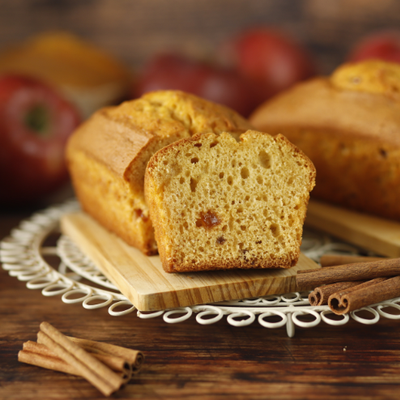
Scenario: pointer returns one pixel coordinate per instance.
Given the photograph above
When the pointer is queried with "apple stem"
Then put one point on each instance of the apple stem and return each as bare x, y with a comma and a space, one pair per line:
37, 119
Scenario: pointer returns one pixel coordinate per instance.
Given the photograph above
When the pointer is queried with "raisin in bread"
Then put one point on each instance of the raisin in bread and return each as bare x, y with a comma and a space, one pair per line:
219, 204
108, 154
349, 126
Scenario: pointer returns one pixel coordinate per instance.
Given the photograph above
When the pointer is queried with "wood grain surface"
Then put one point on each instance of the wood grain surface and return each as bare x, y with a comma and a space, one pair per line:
191, 361
144, 282
371, 233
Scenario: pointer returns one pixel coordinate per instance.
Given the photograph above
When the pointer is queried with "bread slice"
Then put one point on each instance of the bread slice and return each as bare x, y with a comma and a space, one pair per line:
108, 154
219, 204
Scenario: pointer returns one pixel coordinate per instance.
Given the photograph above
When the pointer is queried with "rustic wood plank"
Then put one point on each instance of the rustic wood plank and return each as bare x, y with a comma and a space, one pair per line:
144, 282
188, 360
371, 233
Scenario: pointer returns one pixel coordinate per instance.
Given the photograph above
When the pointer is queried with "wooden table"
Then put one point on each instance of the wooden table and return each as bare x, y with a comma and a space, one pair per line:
188, 360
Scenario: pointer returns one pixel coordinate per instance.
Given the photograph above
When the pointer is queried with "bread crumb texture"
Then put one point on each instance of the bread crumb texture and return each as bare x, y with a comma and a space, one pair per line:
370, 76
220, 204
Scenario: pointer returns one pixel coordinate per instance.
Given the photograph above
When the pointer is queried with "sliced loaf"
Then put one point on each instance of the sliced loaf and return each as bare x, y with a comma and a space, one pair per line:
108, 154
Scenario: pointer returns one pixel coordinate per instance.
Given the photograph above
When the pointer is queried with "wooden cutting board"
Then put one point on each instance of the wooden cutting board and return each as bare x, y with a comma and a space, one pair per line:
371, 233
143, 281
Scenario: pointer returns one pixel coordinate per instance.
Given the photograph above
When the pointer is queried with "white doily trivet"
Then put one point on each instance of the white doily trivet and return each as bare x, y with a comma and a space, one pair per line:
36, 252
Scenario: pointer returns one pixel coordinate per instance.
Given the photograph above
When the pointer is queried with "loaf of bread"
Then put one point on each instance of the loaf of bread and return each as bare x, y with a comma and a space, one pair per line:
349, 126
108, 154
86, 75
219, 204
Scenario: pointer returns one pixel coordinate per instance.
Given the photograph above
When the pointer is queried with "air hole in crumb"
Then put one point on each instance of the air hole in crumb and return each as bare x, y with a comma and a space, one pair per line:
165, 162
275, 230
247, 198
240, 209
221, 175
233, 163
244, 173
260, 180
198, 145
258, 242
383, 153
213, 144
264, 159
194, 160
139, 214
224, 228
185, 225
243, 227
201, 248
193, 184
230, 180
181, 180
221, 240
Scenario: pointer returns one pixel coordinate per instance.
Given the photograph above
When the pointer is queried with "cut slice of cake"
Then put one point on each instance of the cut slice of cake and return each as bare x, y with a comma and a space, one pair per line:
219, 204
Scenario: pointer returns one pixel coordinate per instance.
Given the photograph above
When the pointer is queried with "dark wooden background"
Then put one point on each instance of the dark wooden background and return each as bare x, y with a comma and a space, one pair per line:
191, 361
134, 29
188, 360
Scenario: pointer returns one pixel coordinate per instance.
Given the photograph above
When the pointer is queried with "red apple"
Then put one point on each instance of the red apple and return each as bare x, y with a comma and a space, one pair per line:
35, 123
217, 84
384, 45
272, 60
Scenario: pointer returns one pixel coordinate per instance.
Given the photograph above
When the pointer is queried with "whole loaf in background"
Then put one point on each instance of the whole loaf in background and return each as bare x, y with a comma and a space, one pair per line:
349, 126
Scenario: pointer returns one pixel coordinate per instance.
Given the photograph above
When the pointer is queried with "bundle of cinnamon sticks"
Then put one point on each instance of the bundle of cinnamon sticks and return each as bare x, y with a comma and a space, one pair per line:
351, 286
107, 367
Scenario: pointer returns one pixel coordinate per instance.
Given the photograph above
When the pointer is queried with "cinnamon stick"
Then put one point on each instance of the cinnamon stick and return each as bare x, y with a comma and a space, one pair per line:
44, 361
310, 279
320, 295
134, 357
365, 294
330, 260
115, 363
99, 375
